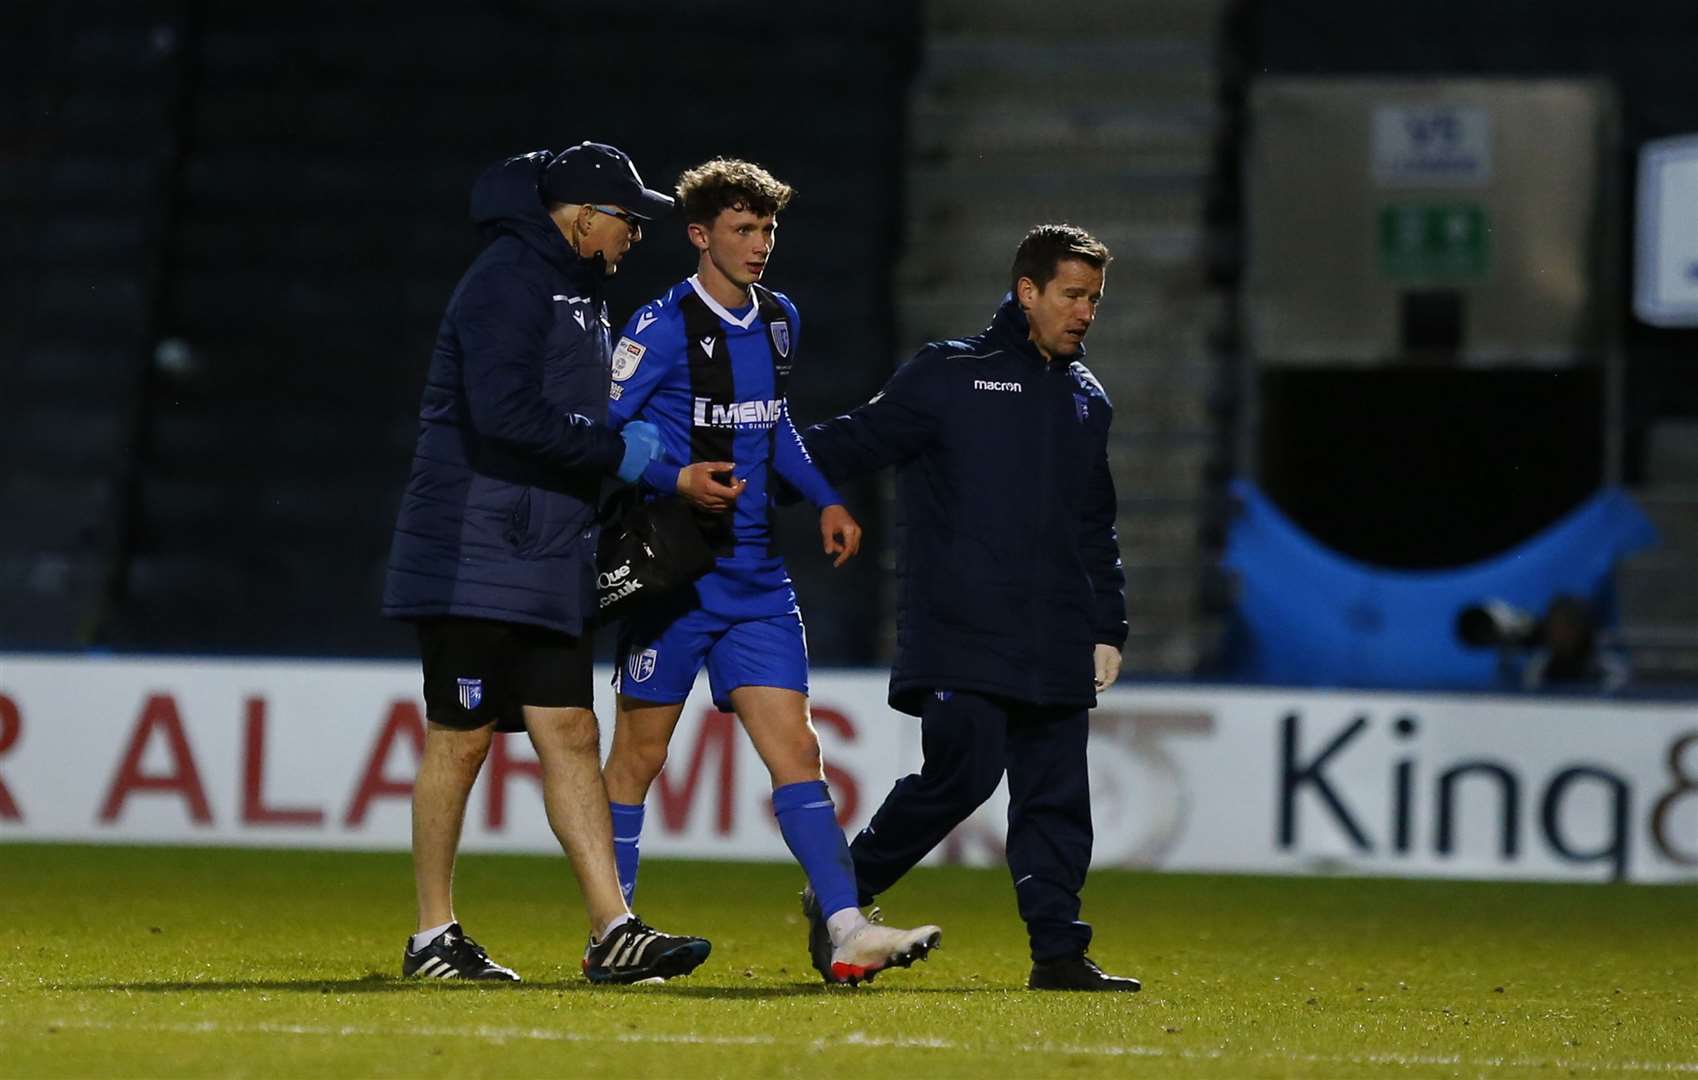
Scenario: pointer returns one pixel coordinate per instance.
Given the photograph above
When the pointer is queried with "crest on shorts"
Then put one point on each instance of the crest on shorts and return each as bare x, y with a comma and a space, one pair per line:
641, 665
471, 693
781, 337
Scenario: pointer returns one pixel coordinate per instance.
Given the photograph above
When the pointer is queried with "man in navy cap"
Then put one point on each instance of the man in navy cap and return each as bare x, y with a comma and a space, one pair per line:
598, 201
493, 554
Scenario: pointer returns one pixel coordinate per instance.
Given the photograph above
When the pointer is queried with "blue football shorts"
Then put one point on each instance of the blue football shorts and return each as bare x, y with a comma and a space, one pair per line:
659, 662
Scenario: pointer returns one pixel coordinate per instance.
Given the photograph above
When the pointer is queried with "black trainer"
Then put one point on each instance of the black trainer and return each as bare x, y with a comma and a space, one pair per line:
1077, 972
453, 955
635, 952
819, 938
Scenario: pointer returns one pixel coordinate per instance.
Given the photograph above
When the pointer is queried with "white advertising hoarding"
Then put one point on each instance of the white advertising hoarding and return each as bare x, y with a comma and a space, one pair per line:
315, 754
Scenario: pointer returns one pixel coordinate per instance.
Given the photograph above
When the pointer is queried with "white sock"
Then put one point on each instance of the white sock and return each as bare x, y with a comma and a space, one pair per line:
615, 923
843, 923
425, 937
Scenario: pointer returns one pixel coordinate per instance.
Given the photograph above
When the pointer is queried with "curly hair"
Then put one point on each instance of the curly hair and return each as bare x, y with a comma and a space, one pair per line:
730, 184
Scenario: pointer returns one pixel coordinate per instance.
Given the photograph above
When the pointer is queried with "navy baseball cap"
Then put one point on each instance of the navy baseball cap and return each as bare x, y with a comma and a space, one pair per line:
597, 173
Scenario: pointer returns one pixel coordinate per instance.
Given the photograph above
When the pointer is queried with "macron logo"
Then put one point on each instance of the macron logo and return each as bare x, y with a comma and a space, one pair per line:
990, 384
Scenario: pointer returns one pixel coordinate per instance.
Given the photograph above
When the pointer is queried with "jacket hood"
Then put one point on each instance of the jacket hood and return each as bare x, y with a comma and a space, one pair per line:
1010, 326
507, 199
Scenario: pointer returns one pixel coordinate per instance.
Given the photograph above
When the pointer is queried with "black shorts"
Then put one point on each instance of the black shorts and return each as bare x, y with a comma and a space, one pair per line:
478, 672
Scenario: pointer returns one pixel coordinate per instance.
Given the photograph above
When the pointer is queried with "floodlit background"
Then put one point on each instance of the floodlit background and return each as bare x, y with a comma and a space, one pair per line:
1377, 262
1402, 335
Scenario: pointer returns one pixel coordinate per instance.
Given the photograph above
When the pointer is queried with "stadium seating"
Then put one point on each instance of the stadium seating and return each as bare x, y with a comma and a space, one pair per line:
241, 228
1122, 145
81, 198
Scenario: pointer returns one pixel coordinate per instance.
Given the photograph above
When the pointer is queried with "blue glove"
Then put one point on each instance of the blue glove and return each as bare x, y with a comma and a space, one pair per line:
642, 445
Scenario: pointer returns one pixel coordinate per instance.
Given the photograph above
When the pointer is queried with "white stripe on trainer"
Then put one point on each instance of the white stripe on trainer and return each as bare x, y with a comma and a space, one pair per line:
629, 949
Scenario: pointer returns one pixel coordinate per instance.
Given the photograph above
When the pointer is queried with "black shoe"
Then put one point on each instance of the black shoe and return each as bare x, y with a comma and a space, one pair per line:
453, 955
634, 952
1077, 972
819, 938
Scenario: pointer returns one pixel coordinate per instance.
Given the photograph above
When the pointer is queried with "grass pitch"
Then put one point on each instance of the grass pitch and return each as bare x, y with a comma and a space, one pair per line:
198, 962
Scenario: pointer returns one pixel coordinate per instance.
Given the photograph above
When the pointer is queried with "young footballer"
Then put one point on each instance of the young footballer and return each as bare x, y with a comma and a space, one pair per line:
707, 364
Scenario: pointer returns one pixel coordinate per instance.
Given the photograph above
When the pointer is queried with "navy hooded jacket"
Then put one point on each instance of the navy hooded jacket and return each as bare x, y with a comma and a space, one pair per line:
1009, 563
498, 519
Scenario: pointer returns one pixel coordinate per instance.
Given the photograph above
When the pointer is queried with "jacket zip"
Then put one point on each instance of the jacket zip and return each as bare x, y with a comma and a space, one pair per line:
1046, 457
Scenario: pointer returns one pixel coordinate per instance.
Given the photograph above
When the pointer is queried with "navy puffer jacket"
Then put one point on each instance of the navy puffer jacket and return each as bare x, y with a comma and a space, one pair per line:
498, 519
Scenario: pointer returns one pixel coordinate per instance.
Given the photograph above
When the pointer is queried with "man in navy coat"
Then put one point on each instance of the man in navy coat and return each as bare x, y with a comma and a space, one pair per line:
494, 550
1012, 611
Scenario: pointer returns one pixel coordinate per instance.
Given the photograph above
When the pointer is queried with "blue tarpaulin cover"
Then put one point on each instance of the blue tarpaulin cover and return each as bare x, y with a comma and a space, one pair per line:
1308, 616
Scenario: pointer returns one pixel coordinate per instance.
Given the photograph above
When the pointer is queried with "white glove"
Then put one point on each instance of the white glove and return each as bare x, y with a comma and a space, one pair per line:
1107, 660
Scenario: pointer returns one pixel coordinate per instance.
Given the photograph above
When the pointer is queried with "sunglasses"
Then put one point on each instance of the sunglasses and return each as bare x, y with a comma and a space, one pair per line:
631, 220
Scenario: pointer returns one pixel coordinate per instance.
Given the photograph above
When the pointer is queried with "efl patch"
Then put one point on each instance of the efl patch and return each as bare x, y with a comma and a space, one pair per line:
641, 665
471, 693
626, 356
781, 337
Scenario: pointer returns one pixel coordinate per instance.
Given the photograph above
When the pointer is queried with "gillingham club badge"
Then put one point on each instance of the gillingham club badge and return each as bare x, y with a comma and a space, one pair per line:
641, 665
471, 693
781, 338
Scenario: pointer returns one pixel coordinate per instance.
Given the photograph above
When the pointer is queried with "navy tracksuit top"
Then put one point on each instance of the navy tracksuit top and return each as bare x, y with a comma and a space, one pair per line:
1008, 557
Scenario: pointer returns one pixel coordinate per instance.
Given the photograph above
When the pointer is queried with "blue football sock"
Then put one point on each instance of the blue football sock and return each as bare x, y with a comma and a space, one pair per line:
627, 835
808, 821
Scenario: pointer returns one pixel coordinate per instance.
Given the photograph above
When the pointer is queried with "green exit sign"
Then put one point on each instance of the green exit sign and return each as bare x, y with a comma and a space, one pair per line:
1434, 241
